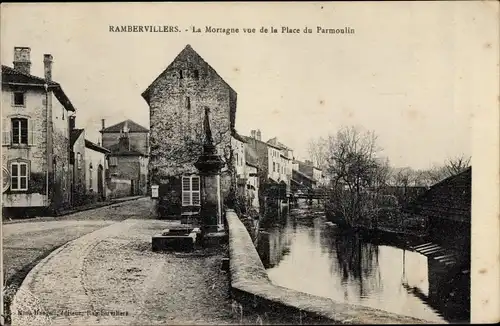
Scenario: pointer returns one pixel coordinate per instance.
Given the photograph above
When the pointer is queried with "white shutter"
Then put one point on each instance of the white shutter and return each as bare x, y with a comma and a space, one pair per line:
195, 190
31, 137
186, 191
6, 132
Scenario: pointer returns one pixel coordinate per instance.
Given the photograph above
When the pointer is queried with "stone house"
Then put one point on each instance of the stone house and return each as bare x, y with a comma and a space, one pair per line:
252, 175
96, 161
138, 135
308, 168
128, 169
286, 159
77, 165
35, 137
177, 99
270, 161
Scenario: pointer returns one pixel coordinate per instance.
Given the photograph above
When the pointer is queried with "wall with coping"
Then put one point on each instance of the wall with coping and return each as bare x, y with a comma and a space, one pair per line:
251, 287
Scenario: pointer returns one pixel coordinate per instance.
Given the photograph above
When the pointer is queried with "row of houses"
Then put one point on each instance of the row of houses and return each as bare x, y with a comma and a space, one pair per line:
48, 163
177, 100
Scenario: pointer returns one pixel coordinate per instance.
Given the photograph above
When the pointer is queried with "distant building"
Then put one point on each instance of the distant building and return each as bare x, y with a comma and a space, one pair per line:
35, 137
252, 175
77, 164
128, 169
96, 160
177, 99
138, 135
307, 168
88, 162
286, 160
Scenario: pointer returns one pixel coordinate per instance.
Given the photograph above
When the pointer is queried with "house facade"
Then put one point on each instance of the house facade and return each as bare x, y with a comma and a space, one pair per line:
177, 99
35, 137
128, 169
96, 165
308, 168
77, 165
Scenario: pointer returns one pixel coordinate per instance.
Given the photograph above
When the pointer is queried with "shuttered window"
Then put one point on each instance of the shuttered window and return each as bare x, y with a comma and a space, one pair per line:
191, 191
19, 176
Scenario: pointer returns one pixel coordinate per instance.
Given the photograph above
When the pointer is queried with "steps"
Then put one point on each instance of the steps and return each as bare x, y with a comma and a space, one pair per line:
434, 251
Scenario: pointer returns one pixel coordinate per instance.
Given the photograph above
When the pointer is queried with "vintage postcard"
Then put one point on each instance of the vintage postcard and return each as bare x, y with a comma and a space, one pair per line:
250, 163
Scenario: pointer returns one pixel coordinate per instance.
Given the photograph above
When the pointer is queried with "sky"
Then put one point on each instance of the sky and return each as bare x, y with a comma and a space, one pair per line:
412, 72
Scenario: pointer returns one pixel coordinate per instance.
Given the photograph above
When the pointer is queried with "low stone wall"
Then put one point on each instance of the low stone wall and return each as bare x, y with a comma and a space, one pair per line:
251, 287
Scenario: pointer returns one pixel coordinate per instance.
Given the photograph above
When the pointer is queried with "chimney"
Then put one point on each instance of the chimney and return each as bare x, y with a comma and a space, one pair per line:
22, 61
47, 67
103, 123
72, 119
258, 134
252, 133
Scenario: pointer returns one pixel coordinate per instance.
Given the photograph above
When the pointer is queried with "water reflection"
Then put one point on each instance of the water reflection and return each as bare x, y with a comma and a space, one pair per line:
303, 253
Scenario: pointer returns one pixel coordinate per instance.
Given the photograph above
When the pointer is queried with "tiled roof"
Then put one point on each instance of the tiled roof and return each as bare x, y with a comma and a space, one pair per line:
131, 125
449, 199
237, 136
11, 76
96, 147
250, 139
74, 135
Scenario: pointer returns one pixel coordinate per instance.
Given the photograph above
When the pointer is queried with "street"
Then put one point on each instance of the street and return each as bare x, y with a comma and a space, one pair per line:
27, 242
109, 273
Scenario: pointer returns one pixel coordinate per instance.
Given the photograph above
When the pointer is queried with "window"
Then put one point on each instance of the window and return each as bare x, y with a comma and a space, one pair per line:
113, 161
274, 167
19, 99
237, 160
79, 161
196, 74
20, 131
19, 176
180, 74
191, 191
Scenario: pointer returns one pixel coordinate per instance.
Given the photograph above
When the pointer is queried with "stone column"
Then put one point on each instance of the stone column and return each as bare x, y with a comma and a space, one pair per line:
209, 165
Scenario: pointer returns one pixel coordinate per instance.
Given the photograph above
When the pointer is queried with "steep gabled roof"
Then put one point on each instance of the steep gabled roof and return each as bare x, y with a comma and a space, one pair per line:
10, 76
188, 50
74, 135
251, 139
449, 199
96, 147
131, 125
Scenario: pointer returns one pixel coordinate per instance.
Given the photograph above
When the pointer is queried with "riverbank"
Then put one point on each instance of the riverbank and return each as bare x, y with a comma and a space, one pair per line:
252, 287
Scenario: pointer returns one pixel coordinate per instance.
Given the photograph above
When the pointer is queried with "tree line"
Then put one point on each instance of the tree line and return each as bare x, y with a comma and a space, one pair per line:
352, 161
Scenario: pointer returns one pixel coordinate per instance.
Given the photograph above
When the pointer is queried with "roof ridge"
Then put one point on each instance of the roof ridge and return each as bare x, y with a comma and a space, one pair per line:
29, 75
188, 47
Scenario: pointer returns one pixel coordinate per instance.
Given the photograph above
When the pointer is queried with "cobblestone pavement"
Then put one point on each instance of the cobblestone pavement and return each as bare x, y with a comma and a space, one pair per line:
25, 244
112, 277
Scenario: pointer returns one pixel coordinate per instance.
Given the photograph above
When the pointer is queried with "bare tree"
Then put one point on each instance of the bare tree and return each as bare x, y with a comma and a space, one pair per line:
457, 164
353, 167
451, 167
318, 152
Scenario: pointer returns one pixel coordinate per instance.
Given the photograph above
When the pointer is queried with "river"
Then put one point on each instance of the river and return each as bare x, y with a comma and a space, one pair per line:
306, 253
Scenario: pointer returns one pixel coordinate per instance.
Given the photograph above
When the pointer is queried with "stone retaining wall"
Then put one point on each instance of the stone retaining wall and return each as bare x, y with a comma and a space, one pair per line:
251, 287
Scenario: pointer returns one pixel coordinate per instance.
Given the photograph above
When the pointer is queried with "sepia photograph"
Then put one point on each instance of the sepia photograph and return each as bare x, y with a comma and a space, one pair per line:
250, 163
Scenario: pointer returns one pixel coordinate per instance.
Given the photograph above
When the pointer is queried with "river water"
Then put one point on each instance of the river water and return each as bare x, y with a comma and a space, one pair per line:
306, 253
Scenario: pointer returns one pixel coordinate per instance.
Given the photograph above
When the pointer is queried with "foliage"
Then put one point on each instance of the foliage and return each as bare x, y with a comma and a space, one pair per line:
177, 141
